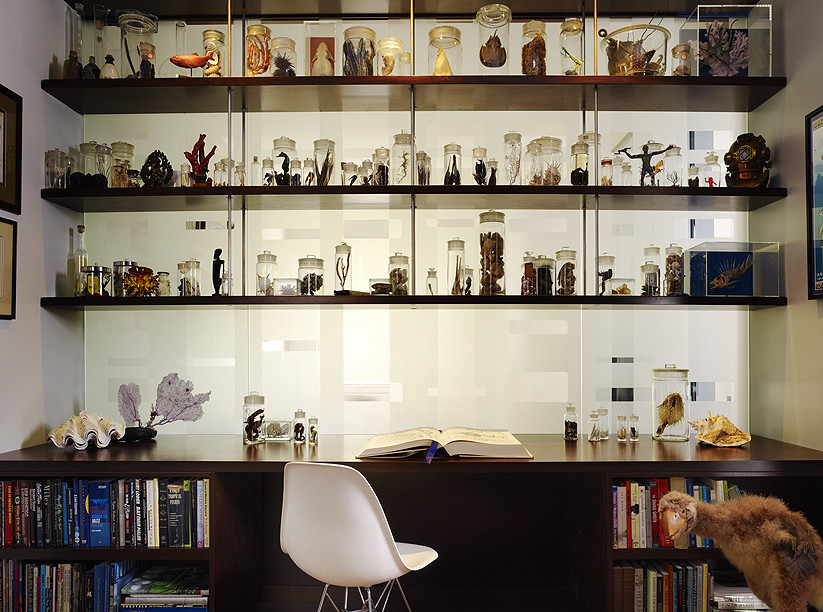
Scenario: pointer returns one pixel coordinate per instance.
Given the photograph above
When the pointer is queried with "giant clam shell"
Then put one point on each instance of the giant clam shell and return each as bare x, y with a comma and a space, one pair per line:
86, 427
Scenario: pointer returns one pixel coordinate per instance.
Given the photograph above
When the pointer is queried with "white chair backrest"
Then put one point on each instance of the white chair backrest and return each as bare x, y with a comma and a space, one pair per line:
334, 528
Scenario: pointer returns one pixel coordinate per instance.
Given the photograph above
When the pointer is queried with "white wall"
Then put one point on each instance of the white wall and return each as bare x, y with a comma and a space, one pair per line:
41, 352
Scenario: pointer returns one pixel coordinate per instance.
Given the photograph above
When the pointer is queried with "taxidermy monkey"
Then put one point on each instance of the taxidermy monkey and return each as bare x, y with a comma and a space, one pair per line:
779, 552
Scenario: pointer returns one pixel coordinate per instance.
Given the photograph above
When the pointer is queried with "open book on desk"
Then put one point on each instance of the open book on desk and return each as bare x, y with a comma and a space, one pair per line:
455, 441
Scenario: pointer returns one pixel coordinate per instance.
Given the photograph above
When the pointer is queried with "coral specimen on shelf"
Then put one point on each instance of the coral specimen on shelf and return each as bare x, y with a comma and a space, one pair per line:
200, 161
80, 429
724, 52
175, 402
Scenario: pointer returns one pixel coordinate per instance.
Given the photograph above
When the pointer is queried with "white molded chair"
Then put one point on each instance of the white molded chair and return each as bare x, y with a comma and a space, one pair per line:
334, 529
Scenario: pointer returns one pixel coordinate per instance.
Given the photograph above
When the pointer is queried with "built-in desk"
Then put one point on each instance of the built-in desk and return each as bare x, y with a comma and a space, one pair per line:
512, 534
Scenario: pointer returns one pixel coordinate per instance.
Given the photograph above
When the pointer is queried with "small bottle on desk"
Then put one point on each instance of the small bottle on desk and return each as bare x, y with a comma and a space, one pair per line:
594, 426
313, 431
621, 427
570, 423
603, 415
299, 427
634, 428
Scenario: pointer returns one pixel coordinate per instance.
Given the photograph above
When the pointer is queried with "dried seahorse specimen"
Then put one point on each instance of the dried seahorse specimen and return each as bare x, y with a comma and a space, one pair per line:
670, 412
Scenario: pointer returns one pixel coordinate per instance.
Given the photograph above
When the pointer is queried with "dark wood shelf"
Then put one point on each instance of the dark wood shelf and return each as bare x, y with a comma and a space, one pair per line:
476, 93
653, 554
103, 554
337, 197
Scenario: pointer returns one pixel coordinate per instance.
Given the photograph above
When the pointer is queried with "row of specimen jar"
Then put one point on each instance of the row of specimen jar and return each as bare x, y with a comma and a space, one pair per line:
609, 283
542, 275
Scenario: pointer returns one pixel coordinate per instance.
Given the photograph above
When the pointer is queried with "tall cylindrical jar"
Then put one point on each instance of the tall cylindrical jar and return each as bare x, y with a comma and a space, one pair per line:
283, 57
431, 282
342, 269
137, 50
163, 284
258, 50
296, 172
571, 47
191, 281
694, 176
267, 177
349, 173
359, 51
493, 174
445, 51
605, 272
606, 172
456, 261
673, 167
492, 252
266, 270
122, 154
453, 163
570, 433
513, 150
493, 35
399, 274
310, 275
533, 53
119, 270
534, 163
626, 175
324, 161
605, 423
401, 159
566, 281
634, 428
283, 151
650, 277
366, 172
254, 412
56, 167
88, 158
528, 275
314, 431
670, 404
655, 147
552, 159
580, 164
389, 53
593, 426
545, 275
423, 171
213, 43
102, 153
622, 433
382, 175
309, 173
711, 171
674, 270
480, 170
299, 427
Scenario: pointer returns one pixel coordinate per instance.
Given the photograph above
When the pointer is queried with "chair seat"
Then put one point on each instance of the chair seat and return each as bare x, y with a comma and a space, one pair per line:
415, 556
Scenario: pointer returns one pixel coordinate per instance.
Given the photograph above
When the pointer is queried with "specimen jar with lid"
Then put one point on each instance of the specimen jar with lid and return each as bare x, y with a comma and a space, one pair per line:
239, 175
254, 412
605, 424
622, 433
454, 271
570, 423
283, 57
674, 270
267, 174
365, 172
191, 280
310, 275
423, 175
605, 271
342, 269
80, 258
320, 47
431, 282
593, 426
650, 277
493, 174
266, 270
479, 168
655, 147
670, 404
299, 427
381, 166
592, 139
359, 51
102, 161
324, 161
399, 274
606, 172
88, 157
634, 428
626, 175
163, 284
552, 159
296, 172
711, 171
673, 167
545, 275
512, 151
533, 53
566, 281
314, 431
453, 163
122, 160
682, 60
56, 167
528, 275
493, 35
96, 280
492, 251
389, 53
120, 268
534, 163
258, 50
137, 50
309, 174
445, 51
283, 151
694, 176
401, 159
349, 173
580, 164
571, 47
213, 43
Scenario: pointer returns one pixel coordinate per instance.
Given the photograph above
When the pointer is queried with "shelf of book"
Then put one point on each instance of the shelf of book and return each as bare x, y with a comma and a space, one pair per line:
64, 553
652, 554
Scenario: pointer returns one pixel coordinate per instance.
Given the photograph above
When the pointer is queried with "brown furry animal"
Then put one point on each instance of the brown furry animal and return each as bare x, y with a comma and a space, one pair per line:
780, 554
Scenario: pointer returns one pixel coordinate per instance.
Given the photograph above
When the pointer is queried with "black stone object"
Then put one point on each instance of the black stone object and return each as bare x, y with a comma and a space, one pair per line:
138, 434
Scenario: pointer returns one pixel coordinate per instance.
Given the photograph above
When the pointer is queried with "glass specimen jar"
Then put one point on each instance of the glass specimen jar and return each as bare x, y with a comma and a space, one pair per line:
571, 47
626, 175
239, 175
309, 173
401, 158
358, 51
492, 165
137, 50
492, 251
389, 53
580, 164
122, 161
534, 163
283, 57
545, 275
277, 430
365, 173
533, 53
445, 51
570, 423
181, 283
650, 276
258, 50
381, 166
399, 274
674, 270
56, 168
219, 174
299, 427
634, 428
605, 272
512, 153
349, 176
286, 286
636, 50
652, 253
80, 258
191, 280
74, 42
314, 431
296, 172
606, 172
119, 269
528, 275
589, 139
88, 157
670, 404
283, 151
682, 60
96, 280
452, 162
673, 167
656, 164
566, 281
321, 46
431, 282
213, 43
467, 274
605, 425
479, 168
267, 173
163, 284
254, 412
711, 171
266, 270
694, 176
405, 64
493, 35
342, 269
254, 172
324, 161
380, 286
102, 161
310, 273
454, 271
593, 428
552, 159
622, 433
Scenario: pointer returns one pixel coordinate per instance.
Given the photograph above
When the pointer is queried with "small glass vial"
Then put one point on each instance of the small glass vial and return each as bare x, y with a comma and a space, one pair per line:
342, 269
314, 431
219, 174
626, 175
605, 272
431, 282
359, 51
80, 259
545, 275
566, 281
674, 270
445, 51
163, 284
310, 273
452, 162
650, 274
299, 433
552, 159
606, 172
454, 272
570, 423
254, 412
103, 160
324, 161
670, 404
534, 163
593, 428
185, 175
652, 253
711, 171
239, 175
605, 425
119, 270
401, 159
181, 284
467, 274
266, 270
492, 252
533, 53
389, 53
296, 172
283, 151
405, 64
493, 34
254, 173
571, 47
673, 167
694, 176
258, 50
309, 174
480, 169
122, 160
634, 428
213, 43
528, 275
88, 157
513, 149
349, 176
364, 173
580, 164
423, 170
493, 174
191, 281
682, 60
622, 433
399, 274
381, 167
267, 178
56, 167
283, 57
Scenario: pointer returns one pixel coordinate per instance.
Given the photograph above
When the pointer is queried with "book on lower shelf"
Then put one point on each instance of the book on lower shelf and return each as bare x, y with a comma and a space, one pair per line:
661, 586
455, 441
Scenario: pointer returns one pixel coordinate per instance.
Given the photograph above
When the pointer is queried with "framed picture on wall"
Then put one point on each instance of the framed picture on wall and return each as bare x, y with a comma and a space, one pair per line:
8, 267
814, 197
11, 149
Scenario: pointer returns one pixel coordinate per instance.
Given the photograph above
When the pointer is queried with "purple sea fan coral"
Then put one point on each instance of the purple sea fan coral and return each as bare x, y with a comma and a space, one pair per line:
175, 402
725, 53
128, 401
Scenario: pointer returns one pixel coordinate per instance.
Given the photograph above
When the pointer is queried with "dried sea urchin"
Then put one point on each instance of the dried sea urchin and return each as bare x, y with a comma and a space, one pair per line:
283, 66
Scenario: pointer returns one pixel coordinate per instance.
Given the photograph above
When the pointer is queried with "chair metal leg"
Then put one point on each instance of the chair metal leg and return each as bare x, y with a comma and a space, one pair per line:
400, 588
325, 596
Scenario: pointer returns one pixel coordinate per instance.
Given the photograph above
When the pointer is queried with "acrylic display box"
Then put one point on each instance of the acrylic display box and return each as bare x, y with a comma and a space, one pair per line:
733, 269
721, 36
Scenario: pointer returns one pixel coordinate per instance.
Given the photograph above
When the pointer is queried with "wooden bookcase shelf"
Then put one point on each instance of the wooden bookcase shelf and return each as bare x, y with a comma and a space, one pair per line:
106, 554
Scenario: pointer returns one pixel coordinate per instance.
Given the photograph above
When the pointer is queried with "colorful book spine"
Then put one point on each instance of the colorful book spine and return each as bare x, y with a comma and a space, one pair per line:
99, 513
201, 515
163, 511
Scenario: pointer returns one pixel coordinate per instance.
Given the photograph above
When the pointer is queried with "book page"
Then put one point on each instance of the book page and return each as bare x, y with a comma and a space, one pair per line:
480, 436
400, 440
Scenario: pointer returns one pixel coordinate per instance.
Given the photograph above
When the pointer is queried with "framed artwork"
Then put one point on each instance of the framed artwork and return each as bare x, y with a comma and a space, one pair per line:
814, 197
8, 267
11, 149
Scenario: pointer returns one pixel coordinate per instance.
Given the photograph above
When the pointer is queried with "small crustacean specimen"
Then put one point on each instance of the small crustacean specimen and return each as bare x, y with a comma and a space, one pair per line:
670, 412
388, 64
493, 53
191, 61
283, 66
322, 64
728, 274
